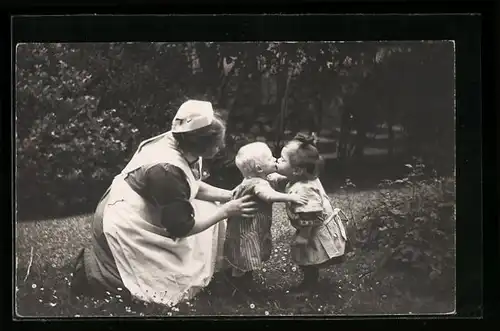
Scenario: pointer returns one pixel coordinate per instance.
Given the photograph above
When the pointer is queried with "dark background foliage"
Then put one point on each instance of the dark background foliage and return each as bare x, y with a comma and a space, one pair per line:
82, 109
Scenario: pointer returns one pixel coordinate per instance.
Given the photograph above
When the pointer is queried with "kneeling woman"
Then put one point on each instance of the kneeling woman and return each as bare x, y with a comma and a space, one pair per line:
156, 232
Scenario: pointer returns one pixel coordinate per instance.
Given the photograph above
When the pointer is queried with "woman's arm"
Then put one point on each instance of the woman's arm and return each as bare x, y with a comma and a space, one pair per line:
201, 224
243, 207
208, 192
166, 187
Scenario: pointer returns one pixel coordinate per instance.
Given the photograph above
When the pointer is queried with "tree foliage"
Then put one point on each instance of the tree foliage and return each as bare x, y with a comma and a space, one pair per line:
82, 108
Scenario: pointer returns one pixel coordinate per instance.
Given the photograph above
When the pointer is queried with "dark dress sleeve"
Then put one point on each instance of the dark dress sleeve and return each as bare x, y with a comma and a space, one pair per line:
165, 185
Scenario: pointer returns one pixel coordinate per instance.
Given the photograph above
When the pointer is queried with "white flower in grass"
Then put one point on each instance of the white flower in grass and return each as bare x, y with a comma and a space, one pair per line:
266, 313
33, 286
252, 306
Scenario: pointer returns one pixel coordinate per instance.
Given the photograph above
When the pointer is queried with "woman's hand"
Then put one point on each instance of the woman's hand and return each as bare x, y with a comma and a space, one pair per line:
240, 207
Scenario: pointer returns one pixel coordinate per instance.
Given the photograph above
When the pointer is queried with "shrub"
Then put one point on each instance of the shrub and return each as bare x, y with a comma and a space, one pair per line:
81, 110
410, 223
67, 166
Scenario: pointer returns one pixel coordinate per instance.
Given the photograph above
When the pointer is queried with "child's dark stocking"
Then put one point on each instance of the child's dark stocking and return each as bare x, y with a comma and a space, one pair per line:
310, 280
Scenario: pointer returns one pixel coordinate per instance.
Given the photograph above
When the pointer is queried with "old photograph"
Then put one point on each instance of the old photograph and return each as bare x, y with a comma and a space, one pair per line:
235, 178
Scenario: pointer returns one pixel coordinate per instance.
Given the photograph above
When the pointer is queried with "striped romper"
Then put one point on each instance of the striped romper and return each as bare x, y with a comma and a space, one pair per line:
248, 240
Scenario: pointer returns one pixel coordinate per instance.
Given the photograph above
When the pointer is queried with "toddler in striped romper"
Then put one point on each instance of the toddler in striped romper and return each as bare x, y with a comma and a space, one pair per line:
248, 240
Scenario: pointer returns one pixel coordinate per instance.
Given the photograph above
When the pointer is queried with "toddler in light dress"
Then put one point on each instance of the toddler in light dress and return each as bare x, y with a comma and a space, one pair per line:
320, 237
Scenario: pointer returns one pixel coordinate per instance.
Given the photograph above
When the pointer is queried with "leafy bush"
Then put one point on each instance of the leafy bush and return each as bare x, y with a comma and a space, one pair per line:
410, 223
68, 164
80, 115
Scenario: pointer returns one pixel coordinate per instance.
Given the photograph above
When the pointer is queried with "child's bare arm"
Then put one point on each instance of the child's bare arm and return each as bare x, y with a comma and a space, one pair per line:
267, 193
277, 181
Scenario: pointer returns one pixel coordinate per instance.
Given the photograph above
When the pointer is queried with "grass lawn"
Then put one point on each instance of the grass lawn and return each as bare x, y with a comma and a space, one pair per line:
361, 285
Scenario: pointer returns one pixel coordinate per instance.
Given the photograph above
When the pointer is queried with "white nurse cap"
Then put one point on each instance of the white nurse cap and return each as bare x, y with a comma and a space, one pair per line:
193, 115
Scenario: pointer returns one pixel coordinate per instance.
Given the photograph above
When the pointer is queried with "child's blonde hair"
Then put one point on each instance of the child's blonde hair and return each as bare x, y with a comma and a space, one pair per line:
250, 156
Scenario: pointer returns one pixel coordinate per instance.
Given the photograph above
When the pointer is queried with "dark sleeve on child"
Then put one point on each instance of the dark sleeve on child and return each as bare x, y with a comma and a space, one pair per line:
165, 185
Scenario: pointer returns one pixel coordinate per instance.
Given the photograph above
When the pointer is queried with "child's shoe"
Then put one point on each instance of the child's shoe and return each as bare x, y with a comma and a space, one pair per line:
309, 284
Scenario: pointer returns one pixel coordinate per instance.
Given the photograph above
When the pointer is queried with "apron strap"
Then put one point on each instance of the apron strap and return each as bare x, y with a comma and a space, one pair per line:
147, 141
105, 194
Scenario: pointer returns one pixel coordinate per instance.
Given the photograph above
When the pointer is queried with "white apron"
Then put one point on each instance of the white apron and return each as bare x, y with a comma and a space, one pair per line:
154, 267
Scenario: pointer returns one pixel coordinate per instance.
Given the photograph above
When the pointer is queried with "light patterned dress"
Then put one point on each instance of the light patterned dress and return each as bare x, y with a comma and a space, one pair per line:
248, 240
328, 240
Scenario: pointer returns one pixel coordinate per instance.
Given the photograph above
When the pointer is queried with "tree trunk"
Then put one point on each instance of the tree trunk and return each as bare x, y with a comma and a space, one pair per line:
316, 116
345, 129
390, 137
279, 124
360, 141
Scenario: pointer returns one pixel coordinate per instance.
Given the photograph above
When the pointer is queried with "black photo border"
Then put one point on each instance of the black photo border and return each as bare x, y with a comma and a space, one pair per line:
475, 90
